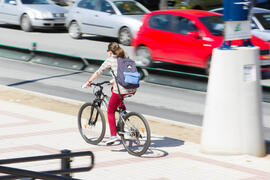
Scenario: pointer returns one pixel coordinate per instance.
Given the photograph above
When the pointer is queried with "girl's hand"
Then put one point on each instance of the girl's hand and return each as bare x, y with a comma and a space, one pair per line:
86, 85
112, 82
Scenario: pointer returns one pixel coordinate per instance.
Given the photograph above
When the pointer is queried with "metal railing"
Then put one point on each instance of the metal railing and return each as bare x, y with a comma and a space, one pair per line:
65, 171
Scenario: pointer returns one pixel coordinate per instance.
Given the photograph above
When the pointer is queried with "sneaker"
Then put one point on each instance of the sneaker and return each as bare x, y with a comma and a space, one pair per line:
111, 140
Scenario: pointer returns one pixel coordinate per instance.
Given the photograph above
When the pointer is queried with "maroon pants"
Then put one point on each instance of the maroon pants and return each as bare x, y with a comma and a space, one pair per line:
114, 103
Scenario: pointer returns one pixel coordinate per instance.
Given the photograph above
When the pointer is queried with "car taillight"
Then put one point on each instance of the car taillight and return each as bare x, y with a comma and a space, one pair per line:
265, 54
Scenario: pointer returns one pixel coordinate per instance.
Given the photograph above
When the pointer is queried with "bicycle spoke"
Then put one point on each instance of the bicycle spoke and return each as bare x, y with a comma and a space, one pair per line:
91, 123
136, 134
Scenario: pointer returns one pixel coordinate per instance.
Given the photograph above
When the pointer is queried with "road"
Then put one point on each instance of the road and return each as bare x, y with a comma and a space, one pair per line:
60, 42
160, 101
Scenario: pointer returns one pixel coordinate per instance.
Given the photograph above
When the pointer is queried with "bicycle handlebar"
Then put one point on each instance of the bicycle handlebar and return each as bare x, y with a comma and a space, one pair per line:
100, 84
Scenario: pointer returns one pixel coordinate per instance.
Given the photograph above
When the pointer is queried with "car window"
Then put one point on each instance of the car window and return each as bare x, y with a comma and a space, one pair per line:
36, 2
87, 4
160, 21
214, 24
264, 19
130, 7
253, 25
106, 7
182, 25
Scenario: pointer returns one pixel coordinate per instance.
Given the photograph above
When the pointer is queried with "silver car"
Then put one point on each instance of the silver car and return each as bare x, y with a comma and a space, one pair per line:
113, 18
32, 14
260, 22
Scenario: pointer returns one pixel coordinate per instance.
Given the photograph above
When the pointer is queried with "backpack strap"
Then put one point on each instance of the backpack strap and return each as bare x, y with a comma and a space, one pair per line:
119, 94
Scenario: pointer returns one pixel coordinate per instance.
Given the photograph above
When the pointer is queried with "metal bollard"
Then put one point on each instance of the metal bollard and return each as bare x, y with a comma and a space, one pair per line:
65, 162
34, 46
32, 51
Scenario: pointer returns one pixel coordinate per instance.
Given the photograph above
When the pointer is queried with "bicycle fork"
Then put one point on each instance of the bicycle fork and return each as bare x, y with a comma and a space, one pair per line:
104, 103
90, 121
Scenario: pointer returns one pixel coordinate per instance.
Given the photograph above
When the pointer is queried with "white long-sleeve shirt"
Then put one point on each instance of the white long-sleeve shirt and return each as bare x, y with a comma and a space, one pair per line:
111, 62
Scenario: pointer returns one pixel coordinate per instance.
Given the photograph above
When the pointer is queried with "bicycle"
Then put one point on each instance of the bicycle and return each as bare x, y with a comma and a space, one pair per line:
132, 127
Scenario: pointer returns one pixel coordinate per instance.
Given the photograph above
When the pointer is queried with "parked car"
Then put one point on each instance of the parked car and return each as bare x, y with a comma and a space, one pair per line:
32, 14
197, 4
185, 37
114, 18
260, 22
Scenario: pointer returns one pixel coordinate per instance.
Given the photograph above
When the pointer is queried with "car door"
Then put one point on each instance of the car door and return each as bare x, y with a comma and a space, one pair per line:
85, 15
106, 19
9, 11
157, 36
186, 45
1, 10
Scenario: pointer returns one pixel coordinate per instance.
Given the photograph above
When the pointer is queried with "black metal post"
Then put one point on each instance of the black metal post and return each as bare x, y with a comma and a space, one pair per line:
65, 162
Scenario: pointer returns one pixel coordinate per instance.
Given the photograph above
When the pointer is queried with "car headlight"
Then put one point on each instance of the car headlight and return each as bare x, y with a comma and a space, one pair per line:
46, 15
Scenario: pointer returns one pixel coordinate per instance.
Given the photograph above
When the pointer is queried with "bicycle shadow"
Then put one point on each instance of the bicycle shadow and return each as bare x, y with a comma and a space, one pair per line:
157, 147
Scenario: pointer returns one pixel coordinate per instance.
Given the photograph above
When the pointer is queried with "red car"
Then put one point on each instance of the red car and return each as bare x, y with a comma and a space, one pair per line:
185, 37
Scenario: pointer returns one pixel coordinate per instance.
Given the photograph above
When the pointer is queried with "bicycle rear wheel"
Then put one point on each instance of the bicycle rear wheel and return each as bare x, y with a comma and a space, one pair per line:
91, 123
135, 134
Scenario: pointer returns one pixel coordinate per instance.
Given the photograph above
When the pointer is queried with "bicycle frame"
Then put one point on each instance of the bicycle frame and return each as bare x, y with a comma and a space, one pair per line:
102, 99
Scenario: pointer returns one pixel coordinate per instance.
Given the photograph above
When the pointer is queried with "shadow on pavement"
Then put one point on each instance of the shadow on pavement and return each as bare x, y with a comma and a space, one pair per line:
41, 30
39, 79
156, 148
99, 38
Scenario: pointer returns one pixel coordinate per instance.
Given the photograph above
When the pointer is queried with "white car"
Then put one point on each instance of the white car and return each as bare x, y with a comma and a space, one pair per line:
113, 18
32, 14
260, 22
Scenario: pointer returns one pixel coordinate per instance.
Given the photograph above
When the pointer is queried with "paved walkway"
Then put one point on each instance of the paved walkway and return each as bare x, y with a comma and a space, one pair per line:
29, 127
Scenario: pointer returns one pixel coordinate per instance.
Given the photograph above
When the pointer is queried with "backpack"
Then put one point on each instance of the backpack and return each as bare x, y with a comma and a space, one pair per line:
127, 73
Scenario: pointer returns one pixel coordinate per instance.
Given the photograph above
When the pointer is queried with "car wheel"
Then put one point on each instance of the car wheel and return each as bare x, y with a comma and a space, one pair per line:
143, 57
26, 23
74, 30
125, 36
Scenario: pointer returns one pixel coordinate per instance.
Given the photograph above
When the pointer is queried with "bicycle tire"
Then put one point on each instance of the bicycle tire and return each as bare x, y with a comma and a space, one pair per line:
91, 132
136, 141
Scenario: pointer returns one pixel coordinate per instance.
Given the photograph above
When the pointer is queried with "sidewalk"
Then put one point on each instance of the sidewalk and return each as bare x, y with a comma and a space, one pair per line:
34, 124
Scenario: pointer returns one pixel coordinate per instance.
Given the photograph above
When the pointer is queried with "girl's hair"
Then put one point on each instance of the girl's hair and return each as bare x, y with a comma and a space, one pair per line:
116, 50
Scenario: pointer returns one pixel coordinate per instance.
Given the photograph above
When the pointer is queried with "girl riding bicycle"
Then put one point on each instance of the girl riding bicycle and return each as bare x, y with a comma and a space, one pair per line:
114, 52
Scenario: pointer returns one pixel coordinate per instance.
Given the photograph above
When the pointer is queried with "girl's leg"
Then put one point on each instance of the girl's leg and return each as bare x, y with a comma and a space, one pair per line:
112, 107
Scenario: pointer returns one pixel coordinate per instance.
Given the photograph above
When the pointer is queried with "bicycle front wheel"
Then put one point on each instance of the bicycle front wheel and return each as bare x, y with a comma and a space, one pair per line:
135, 134
91, 123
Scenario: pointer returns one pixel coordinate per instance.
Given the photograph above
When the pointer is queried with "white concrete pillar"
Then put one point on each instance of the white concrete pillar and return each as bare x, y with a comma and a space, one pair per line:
232, 122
